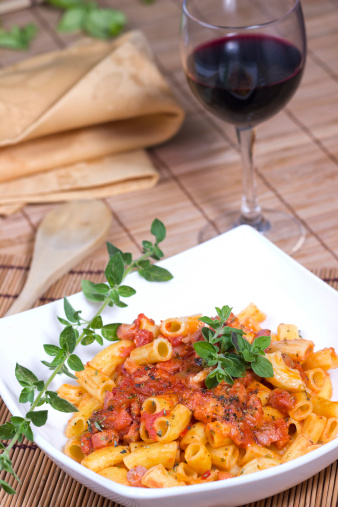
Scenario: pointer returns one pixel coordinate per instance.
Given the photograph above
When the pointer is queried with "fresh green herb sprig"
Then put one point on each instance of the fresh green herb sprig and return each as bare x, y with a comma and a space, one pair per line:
88, 17
76, 331
18, 38
228, 352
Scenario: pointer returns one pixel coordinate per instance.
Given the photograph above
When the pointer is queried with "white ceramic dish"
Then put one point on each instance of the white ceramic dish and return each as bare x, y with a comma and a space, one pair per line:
235, 269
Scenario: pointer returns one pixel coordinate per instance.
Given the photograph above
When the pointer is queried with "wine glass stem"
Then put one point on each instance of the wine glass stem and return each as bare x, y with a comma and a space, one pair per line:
251, 212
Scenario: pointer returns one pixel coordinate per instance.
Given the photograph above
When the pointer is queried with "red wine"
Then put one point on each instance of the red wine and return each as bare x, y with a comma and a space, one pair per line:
245, 79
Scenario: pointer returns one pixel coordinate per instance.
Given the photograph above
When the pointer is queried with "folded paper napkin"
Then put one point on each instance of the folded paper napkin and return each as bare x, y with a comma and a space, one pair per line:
75, 122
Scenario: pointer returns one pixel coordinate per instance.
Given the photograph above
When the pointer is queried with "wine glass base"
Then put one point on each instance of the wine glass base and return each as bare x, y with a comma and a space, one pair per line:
282, 229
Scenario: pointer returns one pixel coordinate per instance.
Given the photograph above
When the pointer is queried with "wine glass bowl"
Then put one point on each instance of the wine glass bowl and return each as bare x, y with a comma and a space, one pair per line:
244, 60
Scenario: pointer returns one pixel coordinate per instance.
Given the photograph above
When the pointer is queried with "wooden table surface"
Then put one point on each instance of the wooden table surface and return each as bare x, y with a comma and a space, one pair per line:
296, 154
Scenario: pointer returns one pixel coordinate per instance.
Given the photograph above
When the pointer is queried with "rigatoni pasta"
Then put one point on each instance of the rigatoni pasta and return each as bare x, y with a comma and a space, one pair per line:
146, 419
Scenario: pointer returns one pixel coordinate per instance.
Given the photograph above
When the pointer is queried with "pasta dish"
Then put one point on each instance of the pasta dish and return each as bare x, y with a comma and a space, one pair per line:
147, 419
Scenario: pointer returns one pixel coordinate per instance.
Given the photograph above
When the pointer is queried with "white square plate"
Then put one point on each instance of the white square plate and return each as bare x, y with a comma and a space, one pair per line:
235, 269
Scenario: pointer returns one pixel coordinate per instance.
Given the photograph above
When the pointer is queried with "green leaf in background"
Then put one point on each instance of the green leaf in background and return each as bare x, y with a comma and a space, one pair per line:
66, 4
68, 339
88, 289
125, 291
73, 20
104, 23
7, 488
18, 38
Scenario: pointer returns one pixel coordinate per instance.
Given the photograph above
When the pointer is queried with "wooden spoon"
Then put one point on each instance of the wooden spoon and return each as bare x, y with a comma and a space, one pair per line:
65, 236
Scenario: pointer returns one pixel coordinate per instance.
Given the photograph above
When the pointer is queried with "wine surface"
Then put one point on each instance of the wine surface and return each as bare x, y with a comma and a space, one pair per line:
245, 79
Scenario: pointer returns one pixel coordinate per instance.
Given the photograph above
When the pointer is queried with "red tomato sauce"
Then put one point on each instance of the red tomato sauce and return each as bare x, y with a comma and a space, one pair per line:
119, 421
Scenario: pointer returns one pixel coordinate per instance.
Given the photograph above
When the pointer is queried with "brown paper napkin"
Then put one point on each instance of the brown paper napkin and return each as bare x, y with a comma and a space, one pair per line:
75, 122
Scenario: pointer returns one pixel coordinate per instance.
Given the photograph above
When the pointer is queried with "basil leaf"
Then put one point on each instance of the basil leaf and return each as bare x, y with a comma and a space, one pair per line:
96, 323
211, 381
52, 350
109, 332
88, 340
125, 291
205, 350
112, 249
27, 431
62, 405
158, 230
262, 367
38, 418
24, 376
7, 431
115, 268
69, 310
27, 394
75, 363
7, 488
155, 274
261, 343
98, 338
127, 258
68, 339
88, 289
224, 312
101, 288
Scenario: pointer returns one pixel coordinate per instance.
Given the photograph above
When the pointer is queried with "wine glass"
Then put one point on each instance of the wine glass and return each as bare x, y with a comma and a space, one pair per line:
244, 60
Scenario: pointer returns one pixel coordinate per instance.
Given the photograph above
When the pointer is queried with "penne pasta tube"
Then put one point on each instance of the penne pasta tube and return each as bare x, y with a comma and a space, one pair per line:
157, 403
325, 359
77, 424
184, 473
73, 449
144, 435
297, 349
157, 351
251, 311
330, 430
149, 325
224, 458
287, 332
316, 379
258, 464
71, 393
294, 428
198, 458
326, 391
170, 427
158, 477
313, 426
260, 390
180, 326
115, 474
297, 448
104, 458
95, 382
284, 377
196, 434
271, 414
136, 445
303, 406
324, 407
107, 359
218, 433
151, 455
254, 451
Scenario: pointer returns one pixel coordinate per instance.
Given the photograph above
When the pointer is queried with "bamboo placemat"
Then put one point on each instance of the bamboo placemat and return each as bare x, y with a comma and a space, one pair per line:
44, 484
